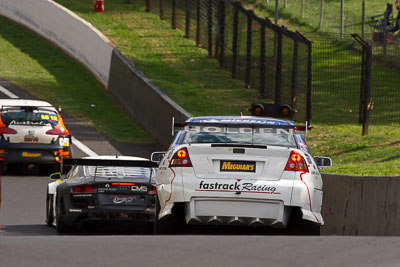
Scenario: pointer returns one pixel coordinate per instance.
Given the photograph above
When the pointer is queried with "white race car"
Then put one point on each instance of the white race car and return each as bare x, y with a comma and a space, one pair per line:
32, 133
242, 171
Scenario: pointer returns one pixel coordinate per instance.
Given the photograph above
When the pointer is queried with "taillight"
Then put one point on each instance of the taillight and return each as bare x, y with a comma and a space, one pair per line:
152, 190
84, 189
123, 183
6, 130
296, 163
57, 131
181, 159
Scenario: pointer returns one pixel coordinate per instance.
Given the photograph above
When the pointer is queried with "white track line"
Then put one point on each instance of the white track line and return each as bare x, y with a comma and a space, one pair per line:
81, 146
7, 93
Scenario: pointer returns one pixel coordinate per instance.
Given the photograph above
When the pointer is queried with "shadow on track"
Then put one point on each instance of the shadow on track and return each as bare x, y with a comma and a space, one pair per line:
27, 230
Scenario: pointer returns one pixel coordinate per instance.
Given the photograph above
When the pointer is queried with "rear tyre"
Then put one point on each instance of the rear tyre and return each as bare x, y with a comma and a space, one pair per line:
4, 168
171, 224
298, 226
157, 224
61, 226
309, 228
49, 209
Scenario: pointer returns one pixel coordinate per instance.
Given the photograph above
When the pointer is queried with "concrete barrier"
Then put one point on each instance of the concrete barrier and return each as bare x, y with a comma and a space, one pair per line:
143, 101
361, 205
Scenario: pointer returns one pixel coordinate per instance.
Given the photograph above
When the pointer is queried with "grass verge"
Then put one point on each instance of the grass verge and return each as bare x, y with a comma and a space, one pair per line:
46, 72
195, 82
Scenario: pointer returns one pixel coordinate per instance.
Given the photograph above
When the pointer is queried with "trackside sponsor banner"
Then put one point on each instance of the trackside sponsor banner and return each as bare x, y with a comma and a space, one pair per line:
237, 186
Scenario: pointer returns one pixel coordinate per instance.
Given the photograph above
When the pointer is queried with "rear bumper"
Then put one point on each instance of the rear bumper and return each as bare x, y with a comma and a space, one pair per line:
233, 211
32, 153
91, 210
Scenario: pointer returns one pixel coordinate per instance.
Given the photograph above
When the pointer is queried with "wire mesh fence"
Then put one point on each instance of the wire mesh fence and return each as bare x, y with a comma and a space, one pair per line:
284, 65
338, 82
267, 57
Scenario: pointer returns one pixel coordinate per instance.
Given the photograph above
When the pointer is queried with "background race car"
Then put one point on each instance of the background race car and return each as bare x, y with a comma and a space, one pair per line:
240, 171
32, 133
101, 189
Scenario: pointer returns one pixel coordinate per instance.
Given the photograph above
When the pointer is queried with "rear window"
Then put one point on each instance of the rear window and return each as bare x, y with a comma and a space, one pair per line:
240, 138
118, 172
28, 116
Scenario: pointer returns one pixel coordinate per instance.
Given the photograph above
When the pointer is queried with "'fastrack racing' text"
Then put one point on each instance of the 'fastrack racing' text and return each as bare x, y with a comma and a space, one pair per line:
236, 187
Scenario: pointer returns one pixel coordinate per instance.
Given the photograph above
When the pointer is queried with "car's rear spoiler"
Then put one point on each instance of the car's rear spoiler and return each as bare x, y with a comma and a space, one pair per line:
108, 162
36, 107
242, 127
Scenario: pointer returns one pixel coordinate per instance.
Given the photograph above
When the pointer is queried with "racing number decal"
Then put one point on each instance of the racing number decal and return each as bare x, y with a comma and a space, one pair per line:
48, 117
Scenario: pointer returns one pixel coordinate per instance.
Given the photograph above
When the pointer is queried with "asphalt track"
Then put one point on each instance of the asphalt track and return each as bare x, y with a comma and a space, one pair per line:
25, 240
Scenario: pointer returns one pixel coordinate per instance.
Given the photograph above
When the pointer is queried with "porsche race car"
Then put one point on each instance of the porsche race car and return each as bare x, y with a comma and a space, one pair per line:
239, 171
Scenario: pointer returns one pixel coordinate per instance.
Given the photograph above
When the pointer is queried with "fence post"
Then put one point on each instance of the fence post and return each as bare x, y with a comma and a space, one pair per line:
278, 77
198, 29
148, 5
210, 10
321, 13
366, 82
367, 89
294, 74
309, 81
187, 22
363, 19
362, 86
249, 44
262, 60
341, 18
309, 76
221, 26
162, 17
235, 39
173, 22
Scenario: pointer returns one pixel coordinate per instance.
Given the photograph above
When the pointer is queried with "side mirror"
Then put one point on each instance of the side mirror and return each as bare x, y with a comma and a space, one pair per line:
323, 162
55, 176
157, 156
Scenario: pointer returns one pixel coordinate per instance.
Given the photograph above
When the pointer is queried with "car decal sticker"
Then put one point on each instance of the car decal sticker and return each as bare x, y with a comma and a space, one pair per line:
309, 196
236, 187
170, 194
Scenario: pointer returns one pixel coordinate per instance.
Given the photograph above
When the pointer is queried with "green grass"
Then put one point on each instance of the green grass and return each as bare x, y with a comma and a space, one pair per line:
331, 13
173, 63
378, 153
48, 73
196, 82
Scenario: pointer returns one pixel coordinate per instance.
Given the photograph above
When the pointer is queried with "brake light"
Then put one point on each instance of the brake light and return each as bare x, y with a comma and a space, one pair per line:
6, 130
296, 163
152, 190
84, 189
123, 183
57, 131
181, 159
